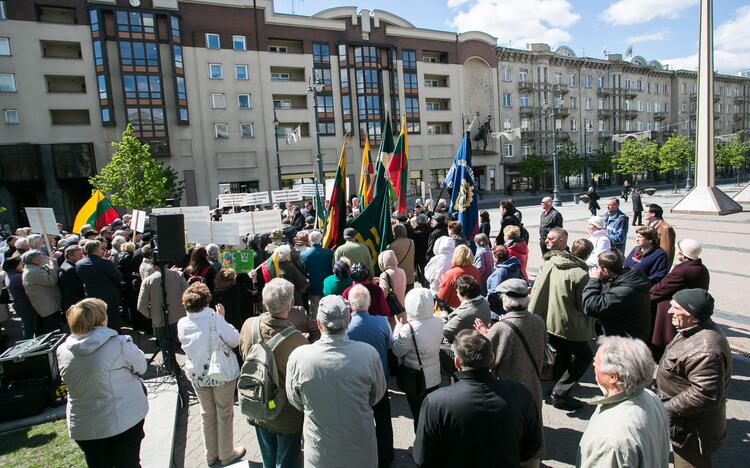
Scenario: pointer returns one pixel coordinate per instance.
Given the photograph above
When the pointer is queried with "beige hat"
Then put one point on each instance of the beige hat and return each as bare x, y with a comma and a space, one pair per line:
597, 221
690, 248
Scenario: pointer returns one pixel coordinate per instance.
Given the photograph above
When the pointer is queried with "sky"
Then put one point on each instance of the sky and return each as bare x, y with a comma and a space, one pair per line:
664, 30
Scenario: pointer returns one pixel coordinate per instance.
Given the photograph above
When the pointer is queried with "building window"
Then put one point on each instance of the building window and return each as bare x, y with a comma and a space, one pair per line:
410, 81
240, 72
218, 101
666, 88
526, 150
181, 91
640, 106
238, 43
2, 11
600, 82
139, 53
221, 131
5, 46
244, 101
213, 41
587, 81
573, 102
573, 80
573, 125
215, 72
7, 83
602, 126
523, 75
588, 103
321, 53
506, 73
246, 130
138, 86
508, 150
525, 124
11, 116
323, 75
409, 57
639, 85
506, 100
278, 49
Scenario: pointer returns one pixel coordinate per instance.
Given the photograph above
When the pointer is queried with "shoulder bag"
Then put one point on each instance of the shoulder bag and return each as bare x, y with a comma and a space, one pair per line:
409, 380
222, 363
393, 303
550, 355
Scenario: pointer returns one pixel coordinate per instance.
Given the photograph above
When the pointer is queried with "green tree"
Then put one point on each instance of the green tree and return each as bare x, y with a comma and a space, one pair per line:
569, 162
175, 186
533, 167
600, 163
676, 154
133, 178
732, 154
637, 157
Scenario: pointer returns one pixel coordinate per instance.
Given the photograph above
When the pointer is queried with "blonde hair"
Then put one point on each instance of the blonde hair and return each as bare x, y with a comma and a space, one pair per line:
462, 256
128, 247
86, 315
196, 297
511, 232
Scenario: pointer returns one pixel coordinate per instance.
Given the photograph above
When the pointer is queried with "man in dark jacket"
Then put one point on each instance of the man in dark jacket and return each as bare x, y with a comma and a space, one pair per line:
494, 422
637, 207
618, 298
318, 265
440, 230
101, 280
420, 235
693, 379
549, 219
70, 284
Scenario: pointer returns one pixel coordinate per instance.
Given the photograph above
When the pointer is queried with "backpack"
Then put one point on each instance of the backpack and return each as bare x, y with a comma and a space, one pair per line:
260, 396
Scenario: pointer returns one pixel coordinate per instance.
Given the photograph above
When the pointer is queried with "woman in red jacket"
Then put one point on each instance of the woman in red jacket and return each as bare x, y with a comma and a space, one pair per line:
517, 247
463, 264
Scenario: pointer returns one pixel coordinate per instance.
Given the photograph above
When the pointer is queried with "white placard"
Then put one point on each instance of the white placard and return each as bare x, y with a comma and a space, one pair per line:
266, 221
198, 232
308, 190
259, 198
286, 195
191, 213
329, 188
225, 233
243, 220
233, 199
138, 221
42, 220
424, 191
166, 211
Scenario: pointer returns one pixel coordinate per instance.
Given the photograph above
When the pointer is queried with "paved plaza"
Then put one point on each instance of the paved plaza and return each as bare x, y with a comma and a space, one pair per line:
726, 253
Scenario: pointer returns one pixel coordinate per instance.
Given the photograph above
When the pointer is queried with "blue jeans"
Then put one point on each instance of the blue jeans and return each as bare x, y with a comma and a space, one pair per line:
279, 450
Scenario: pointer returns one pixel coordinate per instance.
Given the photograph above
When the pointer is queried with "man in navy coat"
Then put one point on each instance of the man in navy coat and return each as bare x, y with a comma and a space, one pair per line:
101, 279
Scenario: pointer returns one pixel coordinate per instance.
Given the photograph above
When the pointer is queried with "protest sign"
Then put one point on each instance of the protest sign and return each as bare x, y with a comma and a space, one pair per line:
42, 220
244, 220
138, 221
266, 221
225, 233
259, 198
241, 260
286, 195
308, 190
198, 232
191, 213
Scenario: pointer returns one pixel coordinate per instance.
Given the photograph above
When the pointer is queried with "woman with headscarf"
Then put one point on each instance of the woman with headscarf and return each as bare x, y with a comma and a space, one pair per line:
378, 304
517, 247
340, 280
427, 332
483, 260
392, 277
440, 263
461, 264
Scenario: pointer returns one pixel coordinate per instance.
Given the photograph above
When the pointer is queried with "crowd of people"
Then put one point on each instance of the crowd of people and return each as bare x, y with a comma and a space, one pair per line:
462, 326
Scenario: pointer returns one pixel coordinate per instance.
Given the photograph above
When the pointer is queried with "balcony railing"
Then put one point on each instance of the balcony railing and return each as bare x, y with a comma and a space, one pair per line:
604, 113
661, 115
602, 91
560, 88
605, 135
628, 93
528, 110
525, 86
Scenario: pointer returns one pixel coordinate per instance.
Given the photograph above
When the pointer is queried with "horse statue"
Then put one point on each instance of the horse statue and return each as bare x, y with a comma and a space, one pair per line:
482, 134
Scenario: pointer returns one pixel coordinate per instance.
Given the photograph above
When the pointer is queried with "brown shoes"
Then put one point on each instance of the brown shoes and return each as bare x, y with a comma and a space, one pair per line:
238, 453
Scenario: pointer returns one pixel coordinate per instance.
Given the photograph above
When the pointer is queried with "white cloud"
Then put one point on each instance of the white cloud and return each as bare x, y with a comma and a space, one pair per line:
518, 21
652, 37
731, 46
627, 12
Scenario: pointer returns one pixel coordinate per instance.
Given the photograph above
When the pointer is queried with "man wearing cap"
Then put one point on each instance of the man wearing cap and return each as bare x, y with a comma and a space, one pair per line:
664, 230
689, 272
335, 382
616, 224
440, 230
599, 239
693, 379
354, 251
277, 239
518, 340
548, 220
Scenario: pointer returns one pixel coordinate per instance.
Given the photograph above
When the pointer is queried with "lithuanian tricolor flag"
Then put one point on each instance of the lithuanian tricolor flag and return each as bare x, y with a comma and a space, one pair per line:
97, 212
334, 233
398, 172
270, 268
365, 176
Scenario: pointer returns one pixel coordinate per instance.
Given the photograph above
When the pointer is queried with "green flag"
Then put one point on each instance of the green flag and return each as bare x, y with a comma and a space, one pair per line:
386, 151
373, 225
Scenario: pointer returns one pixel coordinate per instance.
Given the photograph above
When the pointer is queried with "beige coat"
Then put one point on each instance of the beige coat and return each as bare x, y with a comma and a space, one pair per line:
40, 284
403, 247
666, 238
150, 297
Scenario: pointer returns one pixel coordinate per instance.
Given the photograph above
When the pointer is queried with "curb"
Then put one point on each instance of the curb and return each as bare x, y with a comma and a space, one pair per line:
49, 415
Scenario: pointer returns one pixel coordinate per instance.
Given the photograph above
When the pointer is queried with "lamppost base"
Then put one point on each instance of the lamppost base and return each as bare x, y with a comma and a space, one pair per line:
556, 199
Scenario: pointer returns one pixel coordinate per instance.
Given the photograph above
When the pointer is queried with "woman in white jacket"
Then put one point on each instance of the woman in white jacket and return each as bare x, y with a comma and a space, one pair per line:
215, 397
106, 399
441, 262
428, 334
598, 237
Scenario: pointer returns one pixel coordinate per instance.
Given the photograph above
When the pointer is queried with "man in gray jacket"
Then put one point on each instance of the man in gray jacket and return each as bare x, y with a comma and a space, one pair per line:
40, 283
338, 432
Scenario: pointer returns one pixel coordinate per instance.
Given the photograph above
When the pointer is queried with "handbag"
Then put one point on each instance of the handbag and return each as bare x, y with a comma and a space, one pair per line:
393, 303
409, 380
222, 364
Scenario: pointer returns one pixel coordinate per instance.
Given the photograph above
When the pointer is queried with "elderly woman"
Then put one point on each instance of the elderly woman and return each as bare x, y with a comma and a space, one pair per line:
340, 280
483, 260
378, 304
517, 247
417, 343
440, 263
201, 332
599, 239
462, 264
404, 249
506, 267
392, 277
647, 256
106, 399
40, 283
13, 268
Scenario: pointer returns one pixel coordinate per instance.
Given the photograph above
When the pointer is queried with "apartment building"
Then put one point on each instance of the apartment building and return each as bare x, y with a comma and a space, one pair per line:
213, 87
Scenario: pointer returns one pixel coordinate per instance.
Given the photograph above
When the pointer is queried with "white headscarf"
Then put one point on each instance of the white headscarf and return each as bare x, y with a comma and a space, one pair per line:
441, 262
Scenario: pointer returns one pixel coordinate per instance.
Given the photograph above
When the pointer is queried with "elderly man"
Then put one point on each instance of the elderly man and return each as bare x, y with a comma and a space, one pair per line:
693, 379
557, 297
629, 427
150, 305
618, 298
280, 439
101, 280
40, 284
479, 420
318, 264
354, 251
71, 286
616, 224
548, 220
213, 252
664, 230
338, 432
375, 331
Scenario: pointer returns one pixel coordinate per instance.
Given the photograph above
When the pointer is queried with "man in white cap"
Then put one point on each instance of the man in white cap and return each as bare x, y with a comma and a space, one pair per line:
599, 239
338, 431
689, 272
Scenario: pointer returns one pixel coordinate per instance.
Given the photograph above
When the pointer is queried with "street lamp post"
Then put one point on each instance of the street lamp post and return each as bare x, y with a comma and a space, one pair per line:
555, 194
688, 179
276, 140
586, 130
315, 87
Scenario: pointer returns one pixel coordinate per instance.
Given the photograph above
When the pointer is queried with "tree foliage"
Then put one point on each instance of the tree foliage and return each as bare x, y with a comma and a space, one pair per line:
133, 178
533, 166
569, 162
675, 154
600, 162
732, 154
637, 157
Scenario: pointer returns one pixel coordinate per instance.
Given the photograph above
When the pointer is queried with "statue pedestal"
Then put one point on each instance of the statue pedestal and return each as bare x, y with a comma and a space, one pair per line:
706, 201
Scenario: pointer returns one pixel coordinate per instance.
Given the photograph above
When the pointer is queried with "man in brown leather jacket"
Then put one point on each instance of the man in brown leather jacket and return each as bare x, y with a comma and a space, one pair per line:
693, 379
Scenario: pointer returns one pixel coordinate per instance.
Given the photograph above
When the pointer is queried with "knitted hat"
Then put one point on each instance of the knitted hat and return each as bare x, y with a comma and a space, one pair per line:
697, 302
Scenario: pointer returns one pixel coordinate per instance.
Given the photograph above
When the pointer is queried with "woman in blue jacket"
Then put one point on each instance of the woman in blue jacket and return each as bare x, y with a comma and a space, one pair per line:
647, 256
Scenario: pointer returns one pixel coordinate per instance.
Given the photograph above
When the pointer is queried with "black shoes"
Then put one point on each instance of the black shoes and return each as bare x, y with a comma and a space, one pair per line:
565, 402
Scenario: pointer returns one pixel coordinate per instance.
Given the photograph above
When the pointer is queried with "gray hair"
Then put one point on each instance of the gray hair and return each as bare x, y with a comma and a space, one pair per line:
284, 252
35, 241
482, 240
629, 358
30, 256
213, 251
71, 249
22, 243
399, 230
117, 242
91, 246
316, 237
560, 232
359, 298
515, 303
278, 295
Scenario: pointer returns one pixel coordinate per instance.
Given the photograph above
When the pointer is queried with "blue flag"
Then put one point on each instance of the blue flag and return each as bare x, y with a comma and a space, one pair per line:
460, 181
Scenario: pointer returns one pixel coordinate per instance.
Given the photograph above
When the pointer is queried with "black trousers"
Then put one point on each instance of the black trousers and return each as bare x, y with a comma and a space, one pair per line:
384, 430
415, 403
49, 324
120, 451
577, 355
637, 218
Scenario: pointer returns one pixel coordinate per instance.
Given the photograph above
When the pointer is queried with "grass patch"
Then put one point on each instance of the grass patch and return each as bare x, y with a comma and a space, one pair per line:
43, 446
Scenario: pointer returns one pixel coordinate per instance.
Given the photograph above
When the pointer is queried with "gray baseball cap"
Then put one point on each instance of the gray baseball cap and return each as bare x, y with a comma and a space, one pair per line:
333, 312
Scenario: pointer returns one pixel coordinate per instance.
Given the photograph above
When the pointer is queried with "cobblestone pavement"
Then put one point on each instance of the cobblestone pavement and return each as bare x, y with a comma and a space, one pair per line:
726, 253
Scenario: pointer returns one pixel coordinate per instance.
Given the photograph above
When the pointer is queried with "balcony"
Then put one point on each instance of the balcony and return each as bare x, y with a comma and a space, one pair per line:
602, 92
525, 86
604, 113
285, 74
562, 136
562, 111
528, 110
737, 117
559, 89
605, 135
432, 104
694, 97
531, 135
628, 93
65, 84
61, 49
436, 81
661, 115
629, 114
285, 46
287, 102
739, 99
70, 116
